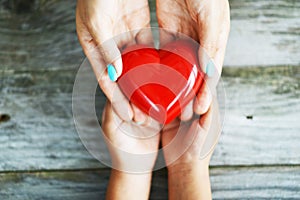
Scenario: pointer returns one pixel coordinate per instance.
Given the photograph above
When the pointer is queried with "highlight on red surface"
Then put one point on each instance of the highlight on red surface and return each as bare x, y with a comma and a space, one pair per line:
161, 82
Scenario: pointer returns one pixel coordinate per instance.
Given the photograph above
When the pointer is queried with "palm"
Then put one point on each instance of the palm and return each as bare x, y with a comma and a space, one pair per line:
176, 16
109, 19
187, 142
131, 15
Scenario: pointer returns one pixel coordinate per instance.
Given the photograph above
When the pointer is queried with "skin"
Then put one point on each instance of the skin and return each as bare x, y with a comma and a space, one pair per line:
127, 182
188, 174
206, 21
127, 136
181, 155
97, 21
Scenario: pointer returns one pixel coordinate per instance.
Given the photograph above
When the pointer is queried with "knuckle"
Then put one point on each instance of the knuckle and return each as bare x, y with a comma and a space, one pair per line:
109, 52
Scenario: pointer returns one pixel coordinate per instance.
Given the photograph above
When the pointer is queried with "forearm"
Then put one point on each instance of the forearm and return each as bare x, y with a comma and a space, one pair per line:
125, 186
189, 182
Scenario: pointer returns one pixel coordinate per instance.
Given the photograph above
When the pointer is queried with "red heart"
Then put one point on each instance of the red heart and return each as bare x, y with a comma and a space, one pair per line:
161, 82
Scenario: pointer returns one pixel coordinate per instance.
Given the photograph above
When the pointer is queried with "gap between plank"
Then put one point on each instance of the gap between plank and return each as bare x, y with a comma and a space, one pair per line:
228, 167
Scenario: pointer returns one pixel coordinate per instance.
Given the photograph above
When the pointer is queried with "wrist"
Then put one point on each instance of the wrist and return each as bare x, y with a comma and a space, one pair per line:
127, 175
123, 185
192, 180
188, 169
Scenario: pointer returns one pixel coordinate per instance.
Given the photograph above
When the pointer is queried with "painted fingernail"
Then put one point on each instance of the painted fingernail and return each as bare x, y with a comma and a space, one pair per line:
139, 123
210, 69
112, 73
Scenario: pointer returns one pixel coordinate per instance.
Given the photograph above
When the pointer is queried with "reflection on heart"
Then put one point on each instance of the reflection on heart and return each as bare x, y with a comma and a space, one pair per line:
161, 82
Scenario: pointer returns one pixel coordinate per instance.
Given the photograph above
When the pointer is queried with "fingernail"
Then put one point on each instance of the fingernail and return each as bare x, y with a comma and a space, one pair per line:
210, 69
112, 73
139, 123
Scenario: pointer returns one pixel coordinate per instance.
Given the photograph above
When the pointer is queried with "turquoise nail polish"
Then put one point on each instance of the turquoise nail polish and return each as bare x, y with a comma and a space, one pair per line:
112, 72
210, 69
139, 123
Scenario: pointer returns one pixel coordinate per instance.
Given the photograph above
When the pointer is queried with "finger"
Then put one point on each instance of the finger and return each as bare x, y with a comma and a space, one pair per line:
206, 93
144, 36
107, 112
167, 26
119, 102
109, 116
203, 100
187, 112
86, 41
105, 117
214, 130
110, 89
165, 37
139, 116
102, 36
122, 106
112, 57
213, 29
206, 119
96, 37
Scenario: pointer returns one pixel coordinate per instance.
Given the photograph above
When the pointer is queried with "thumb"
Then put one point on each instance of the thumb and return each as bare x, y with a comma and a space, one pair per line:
110, 61
213, 22
206, 119
112, 57
108, 49
210, 122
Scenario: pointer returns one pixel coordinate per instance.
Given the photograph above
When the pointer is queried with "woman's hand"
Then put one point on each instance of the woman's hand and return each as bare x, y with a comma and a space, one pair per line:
98, 22
183, 143
208, 22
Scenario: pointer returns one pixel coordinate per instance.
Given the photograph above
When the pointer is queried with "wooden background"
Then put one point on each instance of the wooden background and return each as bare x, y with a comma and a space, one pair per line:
42, 157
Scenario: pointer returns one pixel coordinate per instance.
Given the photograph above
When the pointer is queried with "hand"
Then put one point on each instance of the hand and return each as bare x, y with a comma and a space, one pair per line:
208, 22
183, 142
133, 147
188, 173
133, 150
98, 22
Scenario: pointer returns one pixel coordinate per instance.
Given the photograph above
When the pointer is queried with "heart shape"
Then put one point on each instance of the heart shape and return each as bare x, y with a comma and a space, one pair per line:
161, 82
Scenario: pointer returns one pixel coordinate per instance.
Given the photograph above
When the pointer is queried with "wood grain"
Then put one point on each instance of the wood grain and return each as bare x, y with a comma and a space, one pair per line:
271, 98
41, 134
227, 183
263, 33
42, 157
47, 33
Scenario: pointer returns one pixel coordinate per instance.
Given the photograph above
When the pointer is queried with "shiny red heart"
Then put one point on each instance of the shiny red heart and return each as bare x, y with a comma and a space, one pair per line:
161, 82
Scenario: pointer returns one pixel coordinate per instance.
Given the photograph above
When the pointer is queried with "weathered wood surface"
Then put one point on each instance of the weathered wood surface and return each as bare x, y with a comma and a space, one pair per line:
264, 33
271, 98
228, 183
47, 33
41, 133
39, 56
